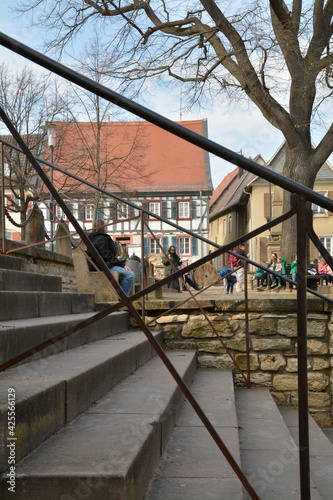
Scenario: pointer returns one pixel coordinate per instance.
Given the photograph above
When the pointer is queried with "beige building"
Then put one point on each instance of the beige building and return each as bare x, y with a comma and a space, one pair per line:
243, 202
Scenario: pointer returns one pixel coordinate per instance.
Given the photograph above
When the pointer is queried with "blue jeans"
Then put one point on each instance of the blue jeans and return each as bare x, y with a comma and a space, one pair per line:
127, 278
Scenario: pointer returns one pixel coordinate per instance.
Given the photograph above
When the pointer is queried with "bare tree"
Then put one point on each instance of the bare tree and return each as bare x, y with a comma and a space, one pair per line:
24, 97
279, 58
87, 145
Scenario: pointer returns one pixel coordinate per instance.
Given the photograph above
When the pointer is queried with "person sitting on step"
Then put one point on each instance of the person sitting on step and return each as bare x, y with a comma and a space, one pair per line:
107, 250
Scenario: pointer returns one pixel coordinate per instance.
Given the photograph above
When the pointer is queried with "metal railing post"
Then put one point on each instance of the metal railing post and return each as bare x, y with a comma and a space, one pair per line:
3, 219
143, 267
303, 419
247, 334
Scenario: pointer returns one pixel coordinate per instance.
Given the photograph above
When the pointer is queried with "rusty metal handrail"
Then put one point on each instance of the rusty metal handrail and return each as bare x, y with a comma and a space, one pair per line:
304, 194
128, 302
165, 123
193, 297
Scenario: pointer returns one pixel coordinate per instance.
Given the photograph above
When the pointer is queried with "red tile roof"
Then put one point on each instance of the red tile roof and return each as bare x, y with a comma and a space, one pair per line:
232, 192
223, 184
159, 160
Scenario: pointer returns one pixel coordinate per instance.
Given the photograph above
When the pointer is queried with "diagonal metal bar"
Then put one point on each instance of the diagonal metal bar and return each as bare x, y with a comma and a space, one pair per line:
192, 296
219, 251
60, 336
265, 227
34, 190
134, 313
187, 393
63, 205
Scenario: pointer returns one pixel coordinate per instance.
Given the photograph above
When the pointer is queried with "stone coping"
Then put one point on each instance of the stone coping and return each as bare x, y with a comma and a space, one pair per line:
215, 299
36, 252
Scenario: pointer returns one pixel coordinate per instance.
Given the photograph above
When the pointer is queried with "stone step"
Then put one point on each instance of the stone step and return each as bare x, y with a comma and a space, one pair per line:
321, 452
10, 262
111, 451
193, 467
24, 281
52, 392
21, 335
269, 455
20, 305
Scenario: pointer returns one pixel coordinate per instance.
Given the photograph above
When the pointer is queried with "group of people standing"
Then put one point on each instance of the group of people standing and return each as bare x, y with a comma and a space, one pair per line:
172, 262
236, 265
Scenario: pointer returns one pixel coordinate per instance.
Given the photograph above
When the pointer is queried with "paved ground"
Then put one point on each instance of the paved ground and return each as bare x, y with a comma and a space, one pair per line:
219, 292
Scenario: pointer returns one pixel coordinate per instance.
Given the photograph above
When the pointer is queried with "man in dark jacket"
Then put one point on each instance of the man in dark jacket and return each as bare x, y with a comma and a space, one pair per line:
107, 250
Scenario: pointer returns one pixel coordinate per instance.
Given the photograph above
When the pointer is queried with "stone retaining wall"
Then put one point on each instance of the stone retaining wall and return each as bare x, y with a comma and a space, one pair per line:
42, 261
273, 345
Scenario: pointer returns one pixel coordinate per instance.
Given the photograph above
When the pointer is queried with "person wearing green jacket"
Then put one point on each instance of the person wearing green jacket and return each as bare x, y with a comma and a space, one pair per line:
258, 276
293, 269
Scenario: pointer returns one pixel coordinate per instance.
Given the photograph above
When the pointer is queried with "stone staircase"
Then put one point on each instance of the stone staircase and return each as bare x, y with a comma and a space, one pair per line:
99, 417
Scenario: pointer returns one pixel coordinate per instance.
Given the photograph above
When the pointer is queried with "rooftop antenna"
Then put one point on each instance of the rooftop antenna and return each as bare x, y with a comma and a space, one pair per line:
181, 106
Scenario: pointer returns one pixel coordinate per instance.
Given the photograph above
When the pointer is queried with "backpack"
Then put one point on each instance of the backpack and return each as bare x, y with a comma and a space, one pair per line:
233, 260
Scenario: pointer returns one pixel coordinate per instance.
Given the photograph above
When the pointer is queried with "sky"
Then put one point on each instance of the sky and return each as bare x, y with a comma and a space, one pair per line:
241, 129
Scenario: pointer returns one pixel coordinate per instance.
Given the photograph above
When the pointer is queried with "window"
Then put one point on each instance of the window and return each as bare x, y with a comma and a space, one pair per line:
169, 209
6, 168
317, 210
89, 209
230, 224
267, 206
122, 211
155, 207
327, 242
154, 248
15, 204
184, 245
224, 226
112, 213
183, 210
59, 212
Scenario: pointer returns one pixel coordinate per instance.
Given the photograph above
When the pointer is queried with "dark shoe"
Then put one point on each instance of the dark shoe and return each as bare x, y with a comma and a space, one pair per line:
199, 287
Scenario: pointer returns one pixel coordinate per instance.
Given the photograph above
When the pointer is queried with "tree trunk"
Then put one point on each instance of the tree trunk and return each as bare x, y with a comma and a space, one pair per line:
300, 168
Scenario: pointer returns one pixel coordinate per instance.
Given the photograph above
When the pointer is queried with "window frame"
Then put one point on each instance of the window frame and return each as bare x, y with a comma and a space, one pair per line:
88, 206
230, 224
317, 210
325, 244
120, 207
179, 204
152, 241
188, 243
59, 213
155, 202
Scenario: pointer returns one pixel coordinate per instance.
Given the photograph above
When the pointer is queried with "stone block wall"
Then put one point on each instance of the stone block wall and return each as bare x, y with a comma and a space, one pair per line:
273, 346
42, 261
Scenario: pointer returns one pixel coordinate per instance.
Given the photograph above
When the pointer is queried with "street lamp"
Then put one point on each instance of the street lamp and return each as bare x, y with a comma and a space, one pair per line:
51, 129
